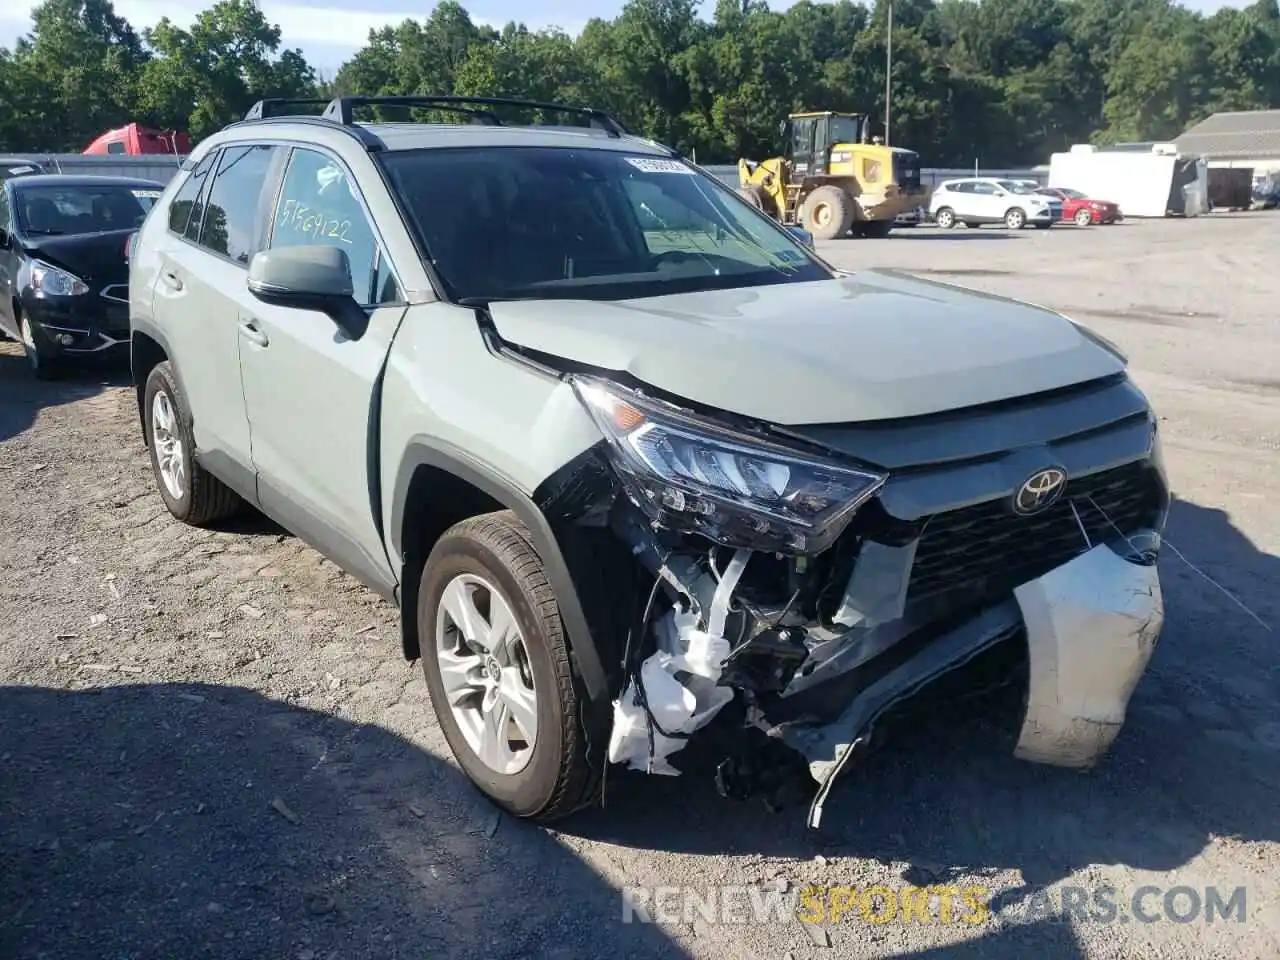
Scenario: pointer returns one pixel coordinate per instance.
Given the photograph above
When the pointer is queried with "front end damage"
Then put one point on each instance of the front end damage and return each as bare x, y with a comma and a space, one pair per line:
821, 575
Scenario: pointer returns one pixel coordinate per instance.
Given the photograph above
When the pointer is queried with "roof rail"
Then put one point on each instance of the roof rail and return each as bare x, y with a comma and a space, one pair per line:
265, 109
368, 139
340, 109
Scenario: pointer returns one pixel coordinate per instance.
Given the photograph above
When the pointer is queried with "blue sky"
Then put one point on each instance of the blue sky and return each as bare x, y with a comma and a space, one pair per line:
330, 31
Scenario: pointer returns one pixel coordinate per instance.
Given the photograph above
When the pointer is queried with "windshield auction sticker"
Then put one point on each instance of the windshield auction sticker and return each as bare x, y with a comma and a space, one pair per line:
654, 165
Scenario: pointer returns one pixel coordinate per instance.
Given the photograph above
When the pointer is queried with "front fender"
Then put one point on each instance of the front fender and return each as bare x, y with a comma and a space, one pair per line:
431, 452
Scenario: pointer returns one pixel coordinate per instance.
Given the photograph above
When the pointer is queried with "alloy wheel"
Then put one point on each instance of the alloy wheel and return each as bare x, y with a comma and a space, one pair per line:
486, 674
170, 454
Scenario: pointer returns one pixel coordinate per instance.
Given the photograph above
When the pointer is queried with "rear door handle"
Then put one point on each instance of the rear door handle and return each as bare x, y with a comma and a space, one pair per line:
249, 330
171, 280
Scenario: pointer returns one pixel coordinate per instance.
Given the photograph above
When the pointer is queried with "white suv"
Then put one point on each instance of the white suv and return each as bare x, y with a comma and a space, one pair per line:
979, 200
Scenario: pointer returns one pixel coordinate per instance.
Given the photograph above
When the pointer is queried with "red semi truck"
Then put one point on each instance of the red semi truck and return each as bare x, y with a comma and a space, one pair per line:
135, 139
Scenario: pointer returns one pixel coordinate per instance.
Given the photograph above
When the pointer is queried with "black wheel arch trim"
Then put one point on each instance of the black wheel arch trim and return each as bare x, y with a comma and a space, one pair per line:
151, 332
430, 452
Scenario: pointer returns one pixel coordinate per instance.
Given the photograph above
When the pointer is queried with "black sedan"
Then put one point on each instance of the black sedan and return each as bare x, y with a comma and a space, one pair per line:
64, 271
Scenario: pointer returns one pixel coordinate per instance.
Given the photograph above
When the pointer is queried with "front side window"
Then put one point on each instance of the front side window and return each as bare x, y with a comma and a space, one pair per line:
539, 222
318, 205
231, 211
78, 209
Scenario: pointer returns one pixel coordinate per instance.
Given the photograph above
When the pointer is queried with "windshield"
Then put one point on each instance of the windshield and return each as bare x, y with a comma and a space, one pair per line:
67, 210
1013, 186
846, 129
537, 222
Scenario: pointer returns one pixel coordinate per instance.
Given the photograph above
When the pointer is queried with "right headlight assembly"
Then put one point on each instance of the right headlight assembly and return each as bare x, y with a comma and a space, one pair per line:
690, 474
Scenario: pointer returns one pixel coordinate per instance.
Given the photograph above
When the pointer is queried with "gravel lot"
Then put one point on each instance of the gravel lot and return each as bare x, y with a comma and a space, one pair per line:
210, 745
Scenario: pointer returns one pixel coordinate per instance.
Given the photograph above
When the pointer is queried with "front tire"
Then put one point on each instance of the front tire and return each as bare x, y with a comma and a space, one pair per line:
497, 666
191, 493
42, 366
1015, 218
1083, 218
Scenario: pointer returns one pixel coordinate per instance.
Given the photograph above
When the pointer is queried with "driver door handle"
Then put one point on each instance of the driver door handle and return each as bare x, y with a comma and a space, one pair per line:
249, 330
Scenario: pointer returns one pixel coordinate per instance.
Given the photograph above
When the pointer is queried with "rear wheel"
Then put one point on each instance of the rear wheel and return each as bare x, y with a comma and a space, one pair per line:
827, 213
1083, 218
191, 493
1015, 218
945, 218
497, 666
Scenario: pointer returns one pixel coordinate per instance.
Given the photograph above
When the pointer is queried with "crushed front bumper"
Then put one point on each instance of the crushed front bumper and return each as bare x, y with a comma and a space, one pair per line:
1089, 628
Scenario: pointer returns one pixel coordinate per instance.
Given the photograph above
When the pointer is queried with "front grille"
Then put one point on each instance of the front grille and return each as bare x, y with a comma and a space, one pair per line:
906, 171
987, 549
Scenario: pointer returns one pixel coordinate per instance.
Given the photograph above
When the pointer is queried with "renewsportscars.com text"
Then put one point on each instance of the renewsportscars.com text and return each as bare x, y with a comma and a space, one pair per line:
939, 904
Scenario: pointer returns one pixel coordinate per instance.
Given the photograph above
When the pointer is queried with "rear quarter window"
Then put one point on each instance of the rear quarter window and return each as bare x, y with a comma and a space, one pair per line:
183, 204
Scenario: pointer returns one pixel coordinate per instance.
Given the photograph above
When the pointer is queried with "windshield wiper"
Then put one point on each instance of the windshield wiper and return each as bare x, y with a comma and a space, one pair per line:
47, 233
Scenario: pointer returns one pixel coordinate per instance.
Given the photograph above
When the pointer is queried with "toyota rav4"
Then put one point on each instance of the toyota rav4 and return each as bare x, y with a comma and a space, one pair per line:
628, 455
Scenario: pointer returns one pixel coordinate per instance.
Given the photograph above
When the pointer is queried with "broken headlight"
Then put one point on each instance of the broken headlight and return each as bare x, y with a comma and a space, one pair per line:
691, 474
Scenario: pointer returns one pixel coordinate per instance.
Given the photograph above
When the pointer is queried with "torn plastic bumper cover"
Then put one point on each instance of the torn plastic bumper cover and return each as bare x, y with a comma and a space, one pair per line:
1090, 626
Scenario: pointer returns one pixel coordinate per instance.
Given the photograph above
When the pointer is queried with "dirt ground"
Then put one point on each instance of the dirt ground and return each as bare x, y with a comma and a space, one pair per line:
211, 747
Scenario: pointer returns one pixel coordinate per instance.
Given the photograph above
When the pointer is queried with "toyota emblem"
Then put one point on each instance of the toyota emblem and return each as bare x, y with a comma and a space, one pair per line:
1039, 491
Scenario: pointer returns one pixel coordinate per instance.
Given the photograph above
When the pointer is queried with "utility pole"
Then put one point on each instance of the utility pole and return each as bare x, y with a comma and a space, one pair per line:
888, 75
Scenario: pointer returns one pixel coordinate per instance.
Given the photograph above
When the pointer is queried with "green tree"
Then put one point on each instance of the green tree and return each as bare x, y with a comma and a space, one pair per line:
71, 78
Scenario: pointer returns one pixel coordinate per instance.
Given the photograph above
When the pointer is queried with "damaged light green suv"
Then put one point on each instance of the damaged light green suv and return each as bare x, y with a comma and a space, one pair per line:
629, 456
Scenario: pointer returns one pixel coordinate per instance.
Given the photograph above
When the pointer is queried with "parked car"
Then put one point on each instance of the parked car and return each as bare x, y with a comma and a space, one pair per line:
1080, 209
18, 167
618, 476
911, 218
974, 201
64, 280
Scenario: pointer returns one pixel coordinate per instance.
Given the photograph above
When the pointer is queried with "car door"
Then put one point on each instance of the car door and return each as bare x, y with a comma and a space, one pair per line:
312, 392
201, 293
9, 252
965, 200
987, 201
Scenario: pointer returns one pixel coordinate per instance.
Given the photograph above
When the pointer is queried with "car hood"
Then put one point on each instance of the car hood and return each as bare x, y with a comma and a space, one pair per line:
90, 256
877, 345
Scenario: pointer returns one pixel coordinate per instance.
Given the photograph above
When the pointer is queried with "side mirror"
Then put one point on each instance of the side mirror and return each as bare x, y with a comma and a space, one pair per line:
804, 236
309, 278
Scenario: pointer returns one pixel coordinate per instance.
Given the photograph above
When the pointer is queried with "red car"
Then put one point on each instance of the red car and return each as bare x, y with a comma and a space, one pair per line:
1080, 209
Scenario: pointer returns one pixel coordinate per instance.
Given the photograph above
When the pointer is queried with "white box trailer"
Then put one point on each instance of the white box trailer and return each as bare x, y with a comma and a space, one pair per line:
1144, 182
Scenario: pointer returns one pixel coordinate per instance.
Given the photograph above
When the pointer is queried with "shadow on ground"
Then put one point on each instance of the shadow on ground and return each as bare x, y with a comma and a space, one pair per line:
1199, 758
138, 821
22, 396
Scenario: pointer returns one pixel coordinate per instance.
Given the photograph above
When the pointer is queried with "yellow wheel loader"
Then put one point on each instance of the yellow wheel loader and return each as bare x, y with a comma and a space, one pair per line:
831, 181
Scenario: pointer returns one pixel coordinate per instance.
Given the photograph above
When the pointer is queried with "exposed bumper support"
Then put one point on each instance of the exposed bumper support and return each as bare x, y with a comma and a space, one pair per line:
1090, 627
829, 747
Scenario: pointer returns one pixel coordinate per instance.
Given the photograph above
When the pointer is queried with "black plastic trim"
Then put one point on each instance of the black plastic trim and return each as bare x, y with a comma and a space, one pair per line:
429, 452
